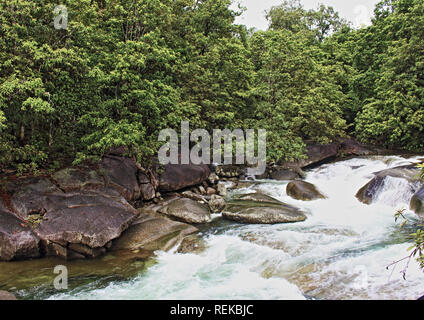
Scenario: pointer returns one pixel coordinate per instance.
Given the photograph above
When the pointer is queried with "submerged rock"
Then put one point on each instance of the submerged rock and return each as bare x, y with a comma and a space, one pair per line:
261, 209
417, 202
192, 244
150, 232
301, 190
187, 210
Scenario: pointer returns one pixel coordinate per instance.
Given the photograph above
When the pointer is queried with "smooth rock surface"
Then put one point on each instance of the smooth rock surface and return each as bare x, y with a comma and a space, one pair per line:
177, 177
91, 220
301, 190
255, 212
187, 210
150, 232
121, 174
17, 240
417, 202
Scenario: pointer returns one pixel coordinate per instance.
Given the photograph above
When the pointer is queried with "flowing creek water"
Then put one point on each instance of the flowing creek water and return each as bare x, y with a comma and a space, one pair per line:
340, 252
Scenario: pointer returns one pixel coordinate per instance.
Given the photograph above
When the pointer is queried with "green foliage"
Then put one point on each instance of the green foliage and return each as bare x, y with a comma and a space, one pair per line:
123, 70
393, 114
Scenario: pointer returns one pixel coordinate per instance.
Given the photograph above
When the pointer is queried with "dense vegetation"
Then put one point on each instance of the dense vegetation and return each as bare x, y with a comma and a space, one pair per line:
125, 69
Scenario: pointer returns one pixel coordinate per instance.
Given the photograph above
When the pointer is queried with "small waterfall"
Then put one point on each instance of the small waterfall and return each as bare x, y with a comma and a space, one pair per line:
396, 192
340, 252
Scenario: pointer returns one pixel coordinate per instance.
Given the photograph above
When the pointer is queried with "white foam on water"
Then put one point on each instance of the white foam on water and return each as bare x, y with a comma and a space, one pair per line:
340, 252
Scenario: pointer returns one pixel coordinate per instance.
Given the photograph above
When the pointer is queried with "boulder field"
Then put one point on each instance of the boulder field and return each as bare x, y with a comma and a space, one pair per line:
86, 211
83, 212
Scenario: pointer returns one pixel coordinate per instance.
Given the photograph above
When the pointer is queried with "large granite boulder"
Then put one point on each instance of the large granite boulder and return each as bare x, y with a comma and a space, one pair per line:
30, 196
301, 190
261, 209
77, 179
318, 154
121, 174
151, 232
17, 240
177, 177
417, 202
410, 173
187, 210
258, 197
91, 220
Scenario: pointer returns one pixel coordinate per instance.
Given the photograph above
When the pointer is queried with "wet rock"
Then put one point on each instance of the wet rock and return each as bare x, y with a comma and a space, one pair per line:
192, 244
301, 190
228, 171
255, 212
417, 203
258, 197
150, 232
222, 190
177, 177
242, 185
217, 204
121, 174
52, 249
17, 240
370, 191
187, 210
284, 175
74, 179
4, 295
194, 196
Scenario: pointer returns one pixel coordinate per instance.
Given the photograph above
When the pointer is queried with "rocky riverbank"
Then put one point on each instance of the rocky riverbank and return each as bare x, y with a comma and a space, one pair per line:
118, 206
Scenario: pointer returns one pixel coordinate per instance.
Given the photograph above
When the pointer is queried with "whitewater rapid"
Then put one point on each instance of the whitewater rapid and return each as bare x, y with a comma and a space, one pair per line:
340, 252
